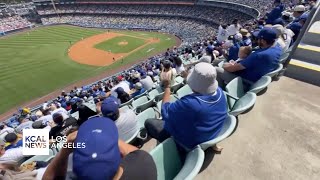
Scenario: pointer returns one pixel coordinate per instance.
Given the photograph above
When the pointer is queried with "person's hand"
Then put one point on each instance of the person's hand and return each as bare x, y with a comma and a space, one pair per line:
72, 137
232, 62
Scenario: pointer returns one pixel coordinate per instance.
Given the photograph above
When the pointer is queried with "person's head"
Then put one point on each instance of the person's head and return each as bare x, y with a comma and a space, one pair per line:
120, 91
244, 51
286, 16
53, 106
202, 79
2, 126
266, 37
177, 61
138, 86
277, 3
166, 65
11, 137
100, 159
85, 112
57, 118
209, 50
110, 108
298, 10
244, 32
235, 21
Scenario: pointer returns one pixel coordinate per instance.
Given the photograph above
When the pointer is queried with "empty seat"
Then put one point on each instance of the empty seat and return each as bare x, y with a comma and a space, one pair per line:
140, 95
228, 127
144, 115
260, 85
142, 104
124, 108
169, 165
176, 86
45, 158
238, 100
185, 90
156, 94
179, 79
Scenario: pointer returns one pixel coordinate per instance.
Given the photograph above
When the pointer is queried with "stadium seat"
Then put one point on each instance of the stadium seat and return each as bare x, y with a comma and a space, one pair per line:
239, 101
45, 158
284, 57
140, 95
275, 72
159, 104
132, 138
179, 79
156, 94
228, 126
75, 115
185, 90
260, 85
124, 108
142, 104
169, 165
144, 115
126, 103
176, 86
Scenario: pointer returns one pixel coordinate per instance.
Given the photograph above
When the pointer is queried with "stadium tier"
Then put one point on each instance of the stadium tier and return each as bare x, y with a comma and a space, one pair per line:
176, 72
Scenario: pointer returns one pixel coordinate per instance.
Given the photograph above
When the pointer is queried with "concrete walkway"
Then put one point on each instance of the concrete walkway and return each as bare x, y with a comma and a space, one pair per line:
278, 139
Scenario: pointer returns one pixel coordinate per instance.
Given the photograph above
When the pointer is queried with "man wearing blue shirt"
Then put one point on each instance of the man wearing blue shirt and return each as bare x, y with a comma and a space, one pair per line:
276, 12
259, 63
195, 118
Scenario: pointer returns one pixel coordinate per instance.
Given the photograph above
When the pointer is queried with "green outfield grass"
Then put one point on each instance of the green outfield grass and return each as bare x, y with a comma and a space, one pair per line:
35, 63
114, 46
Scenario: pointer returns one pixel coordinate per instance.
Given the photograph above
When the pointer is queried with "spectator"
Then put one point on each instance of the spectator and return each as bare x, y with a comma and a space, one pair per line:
258, 63
85, 113
234, 27
275, 13
62, 126
280, 36
125, 120
10, 156
194, 118
138, 90
122, 95
297, 26
222, 34
56, 108
105, 157
25, 123
297, 12
122, 83
246, 41
146, 81
4, 128
168, 71
14, 141
178, 65
244, 52
234, 49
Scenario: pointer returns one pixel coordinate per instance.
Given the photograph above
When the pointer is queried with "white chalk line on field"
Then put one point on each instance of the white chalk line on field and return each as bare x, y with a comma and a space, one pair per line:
150, 49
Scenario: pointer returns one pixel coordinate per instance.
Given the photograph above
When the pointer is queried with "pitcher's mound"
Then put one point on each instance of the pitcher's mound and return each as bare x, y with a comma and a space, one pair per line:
123, 43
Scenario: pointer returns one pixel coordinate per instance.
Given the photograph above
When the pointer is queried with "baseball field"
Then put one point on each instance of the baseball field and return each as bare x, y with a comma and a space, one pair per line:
39, 61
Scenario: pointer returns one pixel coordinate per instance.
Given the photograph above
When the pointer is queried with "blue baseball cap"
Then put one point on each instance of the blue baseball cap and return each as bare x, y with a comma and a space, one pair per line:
119, 90
304, 17
100, 159
109, 106
209, 49
267, 34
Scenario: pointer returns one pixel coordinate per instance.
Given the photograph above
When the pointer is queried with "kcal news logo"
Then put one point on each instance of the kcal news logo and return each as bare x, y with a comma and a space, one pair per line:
35, 142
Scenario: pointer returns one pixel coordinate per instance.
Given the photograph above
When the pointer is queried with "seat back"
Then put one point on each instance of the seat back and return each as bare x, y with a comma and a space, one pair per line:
275, 72
176, 86
156, 94
235, 88
167, 160
192, 164
126, 103
75, 115
284, 57
179, 79
185, 90
261, 84
144, 115
139, 101
124, 108
228, 127
140, 95
243, 104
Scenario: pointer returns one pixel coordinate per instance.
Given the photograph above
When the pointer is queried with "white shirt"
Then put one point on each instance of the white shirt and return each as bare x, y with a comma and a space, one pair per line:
232, 29
25, 125
45, 119
205, 58
222, 34
61, 111
147, 83
289, 34
124, 85
282, 44
13, 155
180, 69
7, 129
127, 124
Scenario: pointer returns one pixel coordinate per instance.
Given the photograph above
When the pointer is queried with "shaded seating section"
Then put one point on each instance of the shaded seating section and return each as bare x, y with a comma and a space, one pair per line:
169, 165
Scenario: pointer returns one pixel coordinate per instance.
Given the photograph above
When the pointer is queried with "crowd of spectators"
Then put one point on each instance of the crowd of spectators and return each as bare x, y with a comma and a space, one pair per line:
11, 23
248, 50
